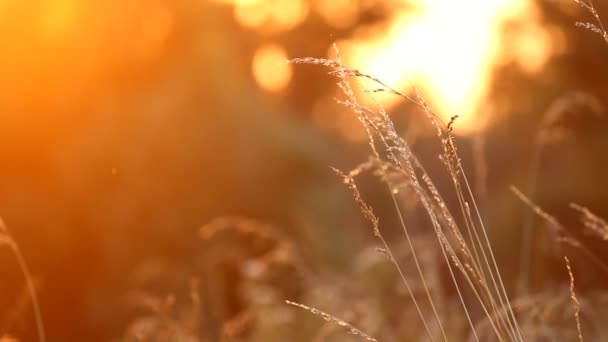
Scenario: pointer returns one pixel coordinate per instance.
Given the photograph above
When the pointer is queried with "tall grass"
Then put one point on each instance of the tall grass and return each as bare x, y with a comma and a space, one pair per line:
597, 26
460, 233
7, 240
465, 247
575, 302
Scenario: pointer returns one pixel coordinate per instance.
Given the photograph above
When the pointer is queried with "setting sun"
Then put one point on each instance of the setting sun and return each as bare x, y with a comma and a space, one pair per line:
222, 170
448, 48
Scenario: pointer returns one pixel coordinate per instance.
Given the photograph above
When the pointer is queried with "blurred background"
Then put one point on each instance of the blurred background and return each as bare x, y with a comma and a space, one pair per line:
166, 175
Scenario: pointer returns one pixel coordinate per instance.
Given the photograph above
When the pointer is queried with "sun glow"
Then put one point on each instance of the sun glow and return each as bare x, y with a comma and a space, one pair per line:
446, 48
58, 17
270, 69
449, 49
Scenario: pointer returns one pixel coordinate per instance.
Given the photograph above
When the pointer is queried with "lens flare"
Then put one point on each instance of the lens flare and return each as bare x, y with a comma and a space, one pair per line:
270, 69
449, 49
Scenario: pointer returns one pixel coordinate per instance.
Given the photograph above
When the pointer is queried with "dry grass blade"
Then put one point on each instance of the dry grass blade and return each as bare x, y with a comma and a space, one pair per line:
559, 232
553, 222
598, 26
368, 213
329, 318
6, 239
396, 165
377, 123
404, 160
575, 303
592, 222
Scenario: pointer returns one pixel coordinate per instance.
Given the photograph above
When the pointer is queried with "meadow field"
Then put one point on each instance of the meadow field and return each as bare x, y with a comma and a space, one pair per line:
303, 170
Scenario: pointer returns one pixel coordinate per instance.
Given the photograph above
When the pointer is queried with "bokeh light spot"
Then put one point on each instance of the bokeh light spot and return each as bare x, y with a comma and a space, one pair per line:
270, 70
252, 14
288, 14
339, 13
533, 48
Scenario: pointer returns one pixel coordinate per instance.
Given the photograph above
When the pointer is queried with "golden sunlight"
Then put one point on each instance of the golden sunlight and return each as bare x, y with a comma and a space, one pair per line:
277, 15
269, 68
252, 14
156, 25
288, 14
339, 13
448, 48
58, 16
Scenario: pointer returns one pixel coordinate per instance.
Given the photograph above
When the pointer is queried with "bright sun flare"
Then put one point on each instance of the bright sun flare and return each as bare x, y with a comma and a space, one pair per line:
448, 48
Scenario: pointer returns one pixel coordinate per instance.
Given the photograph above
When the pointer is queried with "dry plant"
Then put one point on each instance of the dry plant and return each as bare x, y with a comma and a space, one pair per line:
598, 26
459, 234
465, 251
553, 132
575, 303
7, 239
465, 247
351, 329
594, 224
558, 232
552, 129
162, 324
243, 270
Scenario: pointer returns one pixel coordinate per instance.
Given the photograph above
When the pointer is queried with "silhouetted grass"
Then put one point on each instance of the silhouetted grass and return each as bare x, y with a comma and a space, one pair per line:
7, 239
